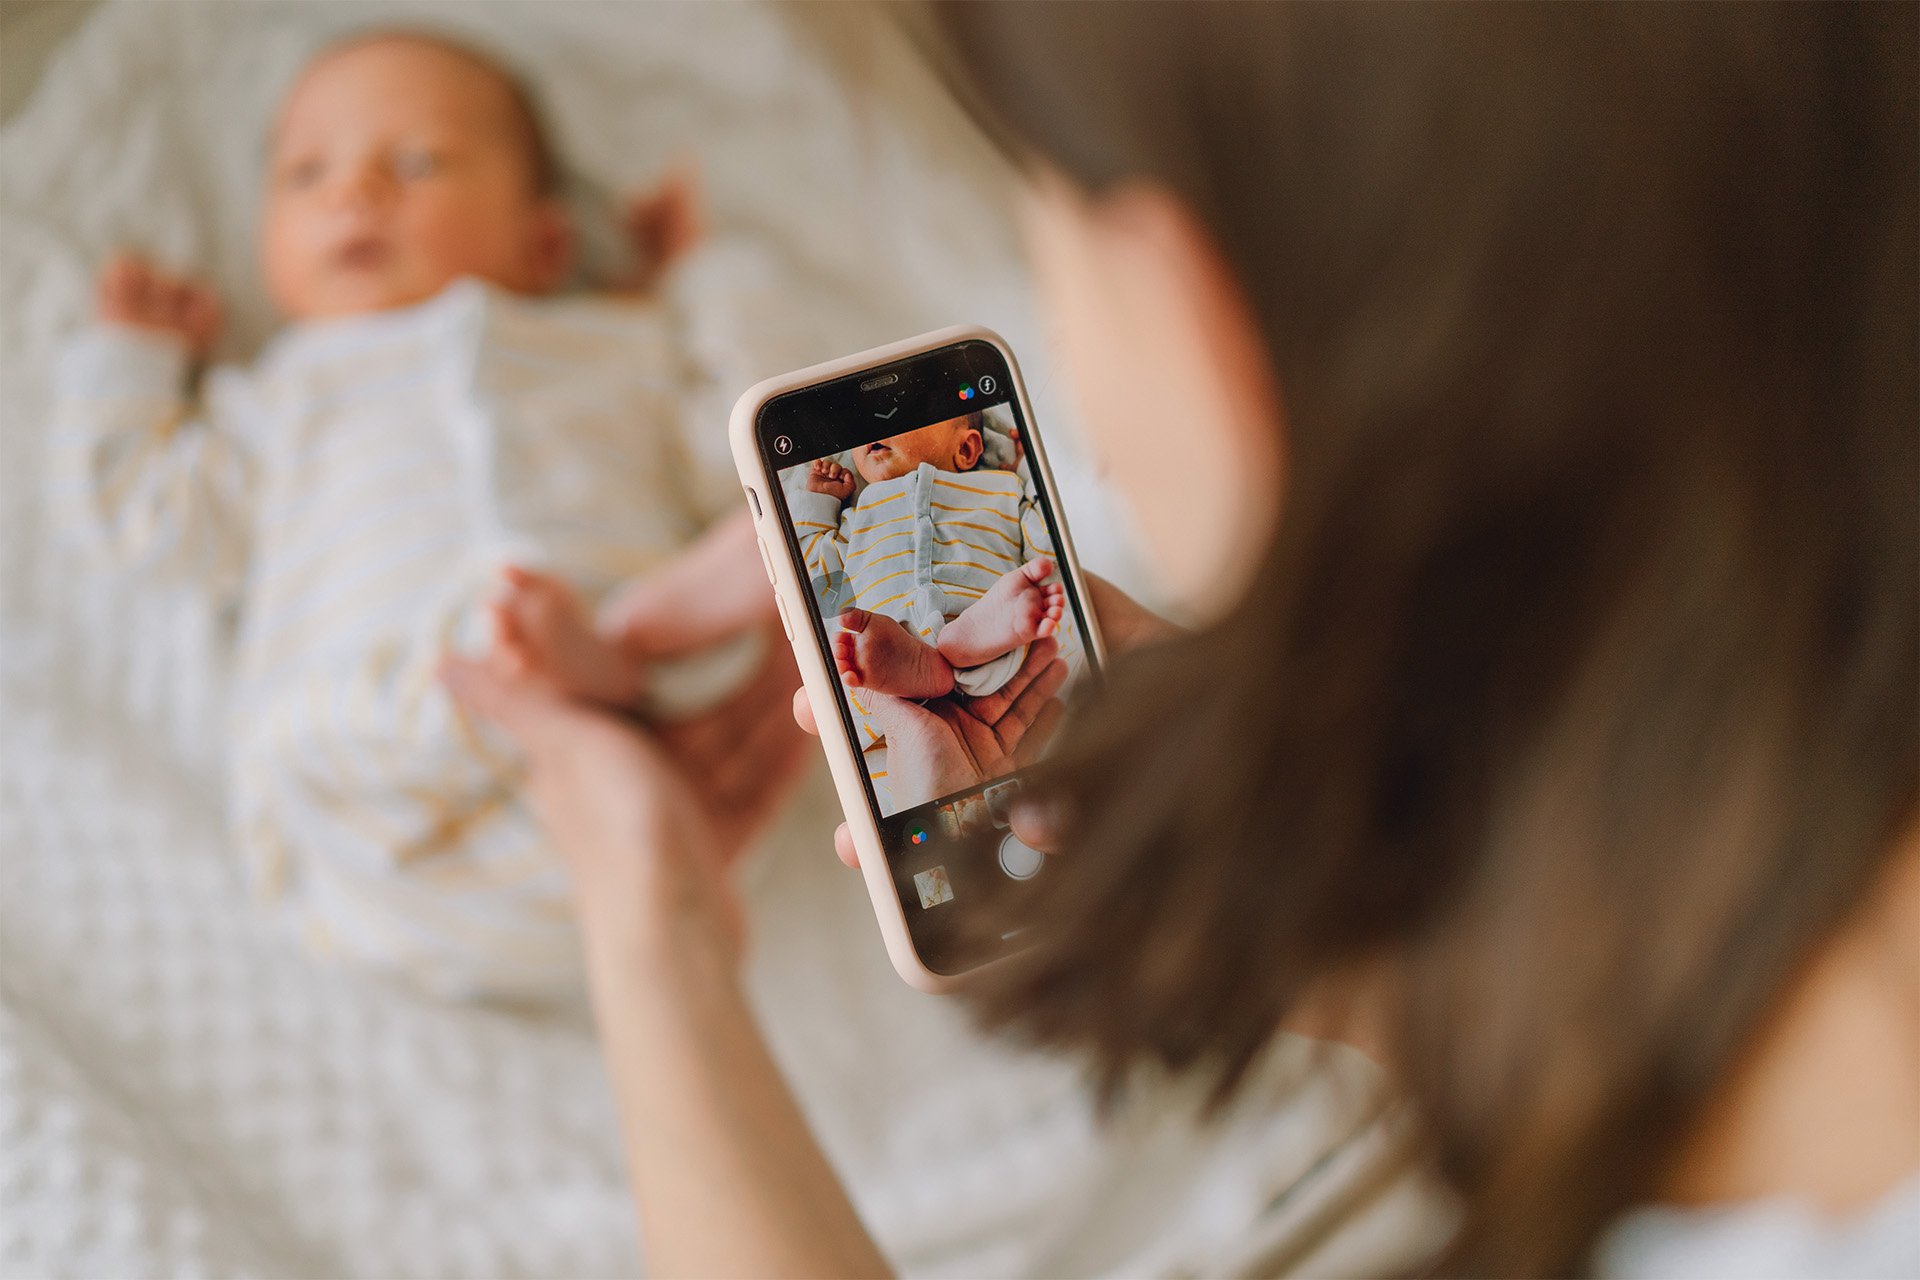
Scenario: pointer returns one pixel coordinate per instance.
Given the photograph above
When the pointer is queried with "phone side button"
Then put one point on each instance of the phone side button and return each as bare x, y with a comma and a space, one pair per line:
753, 500
766, 559
780, 607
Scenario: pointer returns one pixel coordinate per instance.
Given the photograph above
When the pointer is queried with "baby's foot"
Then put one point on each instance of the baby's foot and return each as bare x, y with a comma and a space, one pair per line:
1025, 605
542, 631
876, 652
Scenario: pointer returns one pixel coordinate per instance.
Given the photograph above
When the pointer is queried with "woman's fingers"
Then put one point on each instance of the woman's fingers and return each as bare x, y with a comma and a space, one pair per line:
1034, 743
715, 733
1013, 727
758, 703
803, 713
1124, 621
991, 707
472, 686
764, 754
744, 755
842, 834
1037, 824
529, 715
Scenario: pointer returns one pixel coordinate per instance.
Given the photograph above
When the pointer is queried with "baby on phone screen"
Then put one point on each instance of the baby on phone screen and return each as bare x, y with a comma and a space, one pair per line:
948, 564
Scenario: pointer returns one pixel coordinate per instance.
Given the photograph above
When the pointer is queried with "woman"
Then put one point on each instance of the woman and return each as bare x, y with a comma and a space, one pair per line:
1525, 400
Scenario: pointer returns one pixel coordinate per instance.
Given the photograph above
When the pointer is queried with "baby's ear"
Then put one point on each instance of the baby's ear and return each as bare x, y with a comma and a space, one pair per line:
552, 247
972, 446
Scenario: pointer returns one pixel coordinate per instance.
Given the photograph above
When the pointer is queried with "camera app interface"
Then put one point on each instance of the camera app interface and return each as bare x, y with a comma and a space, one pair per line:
941, 605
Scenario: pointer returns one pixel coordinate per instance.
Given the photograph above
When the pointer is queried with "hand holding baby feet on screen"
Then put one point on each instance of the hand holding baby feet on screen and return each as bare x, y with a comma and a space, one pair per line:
829, 477
1127, 625
1025, 605
949, 744
133, 292
543, 631
873, 651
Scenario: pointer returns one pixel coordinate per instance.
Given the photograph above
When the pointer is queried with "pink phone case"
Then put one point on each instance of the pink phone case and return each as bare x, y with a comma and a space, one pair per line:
791, 595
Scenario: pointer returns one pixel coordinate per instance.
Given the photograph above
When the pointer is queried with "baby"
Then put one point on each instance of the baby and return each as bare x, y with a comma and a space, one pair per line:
946, 566
943, 630
429, 417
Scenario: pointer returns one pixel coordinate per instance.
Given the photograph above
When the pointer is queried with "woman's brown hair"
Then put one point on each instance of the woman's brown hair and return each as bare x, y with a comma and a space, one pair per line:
1577, 693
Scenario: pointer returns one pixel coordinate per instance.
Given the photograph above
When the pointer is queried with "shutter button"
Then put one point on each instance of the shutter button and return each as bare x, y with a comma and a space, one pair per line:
1018, 858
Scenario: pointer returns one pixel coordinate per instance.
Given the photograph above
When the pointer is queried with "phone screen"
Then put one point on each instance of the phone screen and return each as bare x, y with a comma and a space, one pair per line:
929, 541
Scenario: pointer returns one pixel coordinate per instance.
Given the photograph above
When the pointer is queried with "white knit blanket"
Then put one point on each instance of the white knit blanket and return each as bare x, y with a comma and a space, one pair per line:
182, 1091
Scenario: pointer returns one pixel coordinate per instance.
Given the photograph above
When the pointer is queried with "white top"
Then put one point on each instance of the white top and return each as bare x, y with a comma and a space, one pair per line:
1779, 1239
355, 493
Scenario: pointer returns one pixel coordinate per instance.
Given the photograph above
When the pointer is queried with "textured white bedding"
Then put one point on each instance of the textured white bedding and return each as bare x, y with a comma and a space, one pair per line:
181, 1091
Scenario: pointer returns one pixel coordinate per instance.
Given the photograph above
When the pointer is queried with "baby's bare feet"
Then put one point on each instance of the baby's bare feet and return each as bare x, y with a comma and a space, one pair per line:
1025, 605
876, 652
542, 631
830, 478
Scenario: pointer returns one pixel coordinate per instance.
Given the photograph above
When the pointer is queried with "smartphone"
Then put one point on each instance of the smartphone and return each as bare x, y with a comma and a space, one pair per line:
912, 532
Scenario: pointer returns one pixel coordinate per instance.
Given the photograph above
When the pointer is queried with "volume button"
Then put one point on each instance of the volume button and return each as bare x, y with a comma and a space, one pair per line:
780, 607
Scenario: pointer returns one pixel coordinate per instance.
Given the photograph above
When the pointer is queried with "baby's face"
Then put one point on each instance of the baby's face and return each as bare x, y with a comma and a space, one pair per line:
397, 167
953, 445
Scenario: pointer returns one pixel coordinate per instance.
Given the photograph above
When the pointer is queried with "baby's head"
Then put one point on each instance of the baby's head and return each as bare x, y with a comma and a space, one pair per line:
953, 445
399, 163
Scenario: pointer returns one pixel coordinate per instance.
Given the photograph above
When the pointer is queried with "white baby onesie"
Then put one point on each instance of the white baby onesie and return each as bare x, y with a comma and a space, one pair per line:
358, 490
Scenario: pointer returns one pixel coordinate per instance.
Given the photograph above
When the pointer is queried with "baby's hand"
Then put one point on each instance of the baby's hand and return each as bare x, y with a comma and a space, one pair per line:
664, 225
133, 292
830, 478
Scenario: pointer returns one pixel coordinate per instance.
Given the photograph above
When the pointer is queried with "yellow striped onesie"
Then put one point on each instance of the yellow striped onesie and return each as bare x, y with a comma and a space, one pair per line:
357, 490
920, 548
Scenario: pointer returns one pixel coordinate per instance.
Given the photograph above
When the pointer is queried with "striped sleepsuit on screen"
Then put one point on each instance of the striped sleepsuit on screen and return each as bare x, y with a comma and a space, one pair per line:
920, 548
355, 492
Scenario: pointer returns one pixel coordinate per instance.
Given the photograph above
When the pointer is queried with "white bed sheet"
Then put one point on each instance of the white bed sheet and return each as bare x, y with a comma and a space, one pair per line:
184, 1093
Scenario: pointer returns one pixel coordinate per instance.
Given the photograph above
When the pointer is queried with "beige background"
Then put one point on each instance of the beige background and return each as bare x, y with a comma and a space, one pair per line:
30, 30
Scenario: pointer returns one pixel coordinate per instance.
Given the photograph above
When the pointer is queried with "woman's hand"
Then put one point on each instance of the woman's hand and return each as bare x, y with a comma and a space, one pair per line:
952, 743
726, 1176
646, 816
960, 741
615, 804
648, 819
1125, 623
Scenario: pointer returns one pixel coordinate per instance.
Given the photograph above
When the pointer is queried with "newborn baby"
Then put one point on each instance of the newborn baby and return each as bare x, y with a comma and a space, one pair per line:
947, 564
429, 416
943, 630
